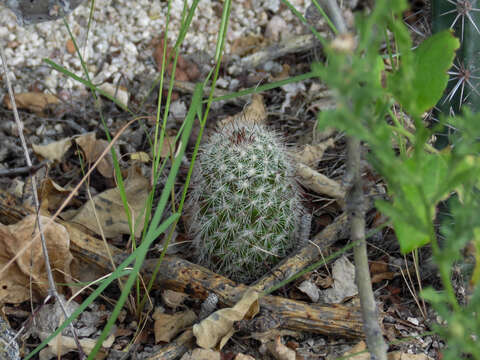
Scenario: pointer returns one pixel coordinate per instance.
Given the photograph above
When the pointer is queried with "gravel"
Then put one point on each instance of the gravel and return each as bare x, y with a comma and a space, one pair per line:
119, 43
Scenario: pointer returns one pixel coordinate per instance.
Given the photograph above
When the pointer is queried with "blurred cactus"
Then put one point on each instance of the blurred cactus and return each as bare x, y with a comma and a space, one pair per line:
463, 17
244, 204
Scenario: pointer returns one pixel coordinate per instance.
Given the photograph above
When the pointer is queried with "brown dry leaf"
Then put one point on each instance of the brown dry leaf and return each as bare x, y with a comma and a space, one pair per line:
167, 326
201, 354
53, 151
93, 148
34, 101
398, 355
215, 330
173, 299
168, 148
241, 356
108, 206
31, 265
52, 194
62, 344
279, 351
395, 355
248, 44
358, 348
311, 154
253, 114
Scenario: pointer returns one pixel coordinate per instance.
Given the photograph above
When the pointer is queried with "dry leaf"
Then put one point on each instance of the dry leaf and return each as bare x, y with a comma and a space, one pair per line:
52, 194
398, 355
358, 348
62, 344
215, 330
280, 351
53, 151
119, 93
173, 299
310, 289
168, 148
34, 101
93, 148
241, 356
140, 156
343, 273
31, 265
253, 114
167, 326
311, 154
108, 206
202, 354
394, 355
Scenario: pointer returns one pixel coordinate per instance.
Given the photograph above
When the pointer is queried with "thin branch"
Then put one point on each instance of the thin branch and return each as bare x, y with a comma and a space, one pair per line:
355, 205
52, 289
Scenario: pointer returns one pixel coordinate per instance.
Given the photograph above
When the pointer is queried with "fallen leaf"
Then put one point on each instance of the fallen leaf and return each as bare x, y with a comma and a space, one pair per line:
173, 299
361, 348
140, 156
216, 329
33, 101
398, 355
168, 148
93, 148
119, 93
280, 351
310, 289
53, 151
253, 114
343, 273
52, 194
62, 344
30, 265
108, 206
167, 326
201, 354
243, 357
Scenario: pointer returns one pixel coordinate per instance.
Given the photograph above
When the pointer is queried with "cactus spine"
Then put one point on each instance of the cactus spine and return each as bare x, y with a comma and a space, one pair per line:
244, 202
463, 16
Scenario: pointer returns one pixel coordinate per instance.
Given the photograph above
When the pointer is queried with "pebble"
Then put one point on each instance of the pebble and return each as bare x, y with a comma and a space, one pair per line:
120, 37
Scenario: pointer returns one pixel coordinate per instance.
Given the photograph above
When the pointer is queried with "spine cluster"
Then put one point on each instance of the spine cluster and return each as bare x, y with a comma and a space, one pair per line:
244, 202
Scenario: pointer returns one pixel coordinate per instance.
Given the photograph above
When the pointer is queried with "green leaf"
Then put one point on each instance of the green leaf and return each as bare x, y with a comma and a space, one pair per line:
419, 83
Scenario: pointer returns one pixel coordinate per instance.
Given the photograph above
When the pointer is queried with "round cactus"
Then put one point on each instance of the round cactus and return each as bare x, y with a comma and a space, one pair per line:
244, 202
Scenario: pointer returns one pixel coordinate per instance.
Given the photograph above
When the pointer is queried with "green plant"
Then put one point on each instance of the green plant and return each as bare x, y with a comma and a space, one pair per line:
244, 203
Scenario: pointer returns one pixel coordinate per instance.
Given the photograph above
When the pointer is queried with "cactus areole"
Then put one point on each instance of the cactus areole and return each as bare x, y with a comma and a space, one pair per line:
244, 204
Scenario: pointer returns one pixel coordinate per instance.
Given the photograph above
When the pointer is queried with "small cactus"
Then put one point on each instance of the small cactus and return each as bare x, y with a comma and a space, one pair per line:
244, 202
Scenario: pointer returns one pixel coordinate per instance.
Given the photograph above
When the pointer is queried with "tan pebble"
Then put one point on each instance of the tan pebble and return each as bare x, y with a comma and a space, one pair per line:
70, 46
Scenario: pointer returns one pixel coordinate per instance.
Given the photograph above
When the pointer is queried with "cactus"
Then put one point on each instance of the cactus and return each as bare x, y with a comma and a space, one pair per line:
244, 205
463, 16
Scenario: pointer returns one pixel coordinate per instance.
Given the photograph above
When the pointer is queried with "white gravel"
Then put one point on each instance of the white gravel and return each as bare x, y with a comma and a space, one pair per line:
119, 42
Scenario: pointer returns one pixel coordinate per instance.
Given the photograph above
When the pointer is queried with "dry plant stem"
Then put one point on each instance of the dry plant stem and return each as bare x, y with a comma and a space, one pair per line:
52, 289
196, 281
180, 275
356, 211
306, 255
293, 45
355, 205
177, 348
320, 183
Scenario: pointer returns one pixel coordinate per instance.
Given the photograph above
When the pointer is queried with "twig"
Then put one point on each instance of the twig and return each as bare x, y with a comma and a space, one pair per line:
24, 170
51, 282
